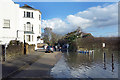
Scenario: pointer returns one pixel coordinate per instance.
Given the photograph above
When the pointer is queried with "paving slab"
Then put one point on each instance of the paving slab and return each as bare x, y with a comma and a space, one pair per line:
41, 68
12, 66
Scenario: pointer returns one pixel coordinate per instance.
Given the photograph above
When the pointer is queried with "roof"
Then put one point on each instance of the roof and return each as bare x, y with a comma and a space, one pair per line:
29, 7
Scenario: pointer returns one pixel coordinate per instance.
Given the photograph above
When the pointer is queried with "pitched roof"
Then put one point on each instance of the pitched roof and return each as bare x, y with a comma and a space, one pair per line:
29, 7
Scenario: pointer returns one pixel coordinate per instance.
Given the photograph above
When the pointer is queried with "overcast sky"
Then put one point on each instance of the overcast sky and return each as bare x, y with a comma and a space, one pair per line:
97, 18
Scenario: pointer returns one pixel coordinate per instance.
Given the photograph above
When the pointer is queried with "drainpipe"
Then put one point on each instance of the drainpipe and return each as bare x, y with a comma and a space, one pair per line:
5, 51
17, 34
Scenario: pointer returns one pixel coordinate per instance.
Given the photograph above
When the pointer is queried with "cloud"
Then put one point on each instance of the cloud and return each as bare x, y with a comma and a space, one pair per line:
112, 34
100, 16
58, 26
78, 21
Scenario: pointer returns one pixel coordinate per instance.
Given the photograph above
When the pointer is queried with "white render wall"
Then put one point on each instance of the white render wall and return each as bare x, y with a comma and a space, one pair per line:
9, 10
12, 12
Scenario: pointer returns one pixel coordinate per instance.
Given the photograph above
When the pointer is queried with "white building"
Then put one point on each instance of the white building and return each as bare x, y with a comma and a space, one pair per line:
30, 22
9, 12
21, 23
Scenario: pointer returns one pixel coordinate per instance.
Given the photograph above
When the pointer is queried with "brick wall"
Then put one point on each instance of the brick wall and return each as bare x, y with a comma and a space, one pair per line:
14, 49
31, 48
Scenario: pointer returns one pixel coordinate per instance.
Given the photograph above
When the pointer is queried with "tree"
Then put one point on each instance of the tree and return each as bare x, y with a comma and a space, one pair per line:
51, 37
47, 35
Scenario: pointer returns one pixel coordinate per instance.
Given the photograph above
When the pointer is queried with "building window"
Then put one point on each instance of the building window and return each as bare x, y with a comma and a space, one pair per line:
32, 14
32, 27
24, 14
39, 17
28, 14
6, 23
29, 26
32, 37
28, 38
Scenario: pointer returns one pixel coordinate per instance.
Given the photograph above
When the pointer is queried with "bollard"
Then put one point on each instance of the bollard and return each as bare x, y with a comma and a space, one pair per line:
104, 57
93, 54
104, 60
112, 63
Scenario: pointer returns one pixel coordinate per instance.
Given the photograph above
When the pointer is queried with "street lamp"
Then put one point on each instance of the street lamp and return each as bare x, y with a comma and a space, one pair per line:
24, 41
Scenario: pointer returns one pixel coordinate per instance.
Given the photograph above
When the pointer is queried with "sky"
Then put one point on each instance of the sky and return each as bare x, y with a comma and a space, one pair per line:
98, 18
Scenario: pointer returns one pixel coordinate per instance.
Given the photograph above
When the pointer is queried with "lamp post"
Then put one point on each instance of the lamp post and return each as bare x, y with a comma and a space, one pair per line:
24, 41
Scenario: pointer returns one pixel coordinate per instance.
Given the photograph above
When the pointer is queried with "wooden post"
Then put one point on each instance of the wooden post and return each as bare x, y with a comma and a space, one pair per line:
112, 62
104, 61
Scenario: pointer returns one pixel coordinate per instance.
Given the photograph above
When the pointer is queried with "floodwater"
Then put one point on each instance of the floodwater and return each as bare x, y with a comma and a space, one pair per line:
100, 64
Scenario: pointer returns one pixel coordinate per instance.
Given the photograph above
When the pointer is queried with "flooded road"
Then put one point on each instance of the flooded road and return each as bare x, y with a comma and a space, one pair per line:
100, 64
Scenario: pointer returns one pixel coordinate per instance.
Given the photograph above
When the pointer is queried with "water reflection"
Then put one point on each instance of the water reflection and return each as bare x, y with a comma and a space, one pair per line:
98, 64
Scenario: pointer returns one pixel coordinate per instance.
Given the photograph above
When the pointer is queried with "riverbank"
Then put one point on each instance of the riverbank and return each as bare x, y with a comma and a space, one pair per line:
37, 63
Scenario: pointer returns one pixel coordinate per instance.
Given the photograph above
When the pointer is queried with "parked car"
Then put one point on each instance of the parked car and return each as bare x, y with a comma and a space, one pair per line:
49, 49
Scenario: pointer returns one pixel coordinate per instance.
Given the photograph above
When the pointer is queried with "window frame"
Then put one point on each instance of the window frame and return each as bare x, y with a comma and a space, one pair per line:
29, 26
32, 38
6, 23
28, 14
32, 14
28, 38
39, 17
